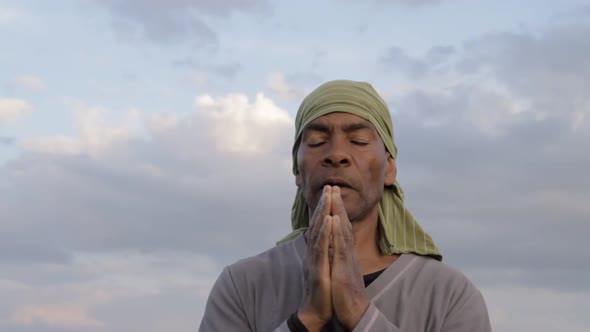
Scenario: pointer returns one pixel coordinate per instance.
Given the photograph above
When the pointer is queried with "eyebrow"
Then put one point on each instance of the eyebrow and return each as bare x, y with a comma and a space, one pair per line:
347, 128
317, 127
357, 126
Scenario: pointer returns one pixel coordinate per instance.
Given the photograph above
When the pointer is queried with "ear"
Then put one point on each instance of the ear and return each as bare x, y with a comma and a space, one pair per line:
390, 171
298, 179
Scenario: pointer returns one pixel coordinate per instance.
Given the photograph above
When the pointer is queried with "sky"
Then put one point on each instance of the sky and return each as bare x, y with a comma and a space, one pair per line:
145, 145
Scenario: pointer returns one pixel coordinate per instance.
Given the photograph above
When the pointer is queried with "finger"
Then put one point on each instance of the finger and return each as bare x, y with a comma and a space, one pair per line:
328, 201
337, 205
317, 218
331, 248
322, 246
339, 209
323, 207
338, 241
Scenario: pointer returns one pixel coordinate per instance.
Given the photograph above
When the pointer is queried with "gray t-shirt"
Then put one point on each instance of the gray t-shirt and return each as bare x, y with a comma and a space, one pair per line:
414, 293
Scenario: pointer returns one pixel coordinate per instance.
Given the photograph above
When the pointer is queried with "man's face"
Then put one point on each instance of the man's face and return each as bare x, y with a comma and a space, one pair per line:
345, 150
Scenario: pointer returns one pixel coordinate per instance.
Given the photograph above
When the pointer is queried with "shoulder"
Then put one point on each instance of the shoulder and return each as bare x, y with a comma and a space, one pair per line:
455, 294
437, 270
270, 262
443, 279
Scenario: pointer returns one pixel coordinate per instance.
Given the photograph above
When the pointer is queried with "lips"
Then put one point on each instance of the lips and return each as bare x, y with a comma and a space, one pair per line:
336, 181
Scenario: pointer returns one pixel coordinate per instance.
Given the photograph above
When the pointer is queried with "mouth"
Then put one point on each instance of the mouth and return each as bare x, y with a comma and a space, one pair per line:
336, 182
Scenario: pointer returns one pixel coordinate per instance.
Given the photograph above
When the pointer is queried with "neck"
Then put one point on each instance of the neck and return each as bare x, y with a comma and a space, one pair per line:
366, 243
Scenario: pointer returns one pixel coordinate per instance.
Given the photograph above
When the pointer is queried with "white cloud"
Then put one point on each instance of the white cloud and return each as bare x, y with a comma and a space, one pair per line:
54, 316
168, 174
30, 83
253, 126
10, 15
12, 109
96, 127
279, 86
200, 80
579, 120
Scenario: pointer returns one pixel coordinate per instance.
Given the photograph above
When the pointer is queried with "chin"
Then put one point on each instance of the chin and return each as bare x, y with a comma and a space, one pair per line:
354, 216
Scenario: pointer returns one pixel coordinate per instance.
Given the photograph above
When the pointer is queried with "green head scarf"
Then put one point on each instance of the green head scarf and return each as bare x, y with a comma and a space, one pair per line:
399, 231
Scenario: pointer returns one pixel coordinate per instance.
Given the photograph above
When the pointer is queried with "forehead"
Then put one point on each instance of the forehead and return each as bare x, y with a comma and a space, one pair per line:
340, 119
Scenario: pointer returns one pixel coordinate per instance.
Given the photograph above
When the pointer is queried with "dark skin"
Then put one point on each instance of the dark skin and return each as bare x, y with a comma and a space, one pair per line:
343, 167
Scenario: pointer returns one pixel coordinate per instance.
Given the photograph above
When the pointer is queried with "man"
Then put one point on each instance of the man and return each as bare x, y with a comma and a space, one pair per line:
357, 260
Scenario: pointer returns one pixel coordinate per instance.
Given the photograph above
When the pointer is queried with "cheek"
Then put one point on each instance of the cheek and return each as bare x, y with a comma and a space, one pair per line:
300, 168
304, 170
376, 172
304, 162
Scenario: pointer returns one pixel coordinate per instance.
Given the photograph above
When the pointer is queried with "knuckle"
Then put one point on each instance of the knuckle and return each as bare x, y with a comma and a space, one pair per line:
317, 250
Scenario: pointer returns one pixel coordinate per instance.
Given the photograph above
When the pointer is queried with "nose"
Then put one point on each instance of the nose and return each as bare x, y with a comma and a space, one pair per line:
336, 156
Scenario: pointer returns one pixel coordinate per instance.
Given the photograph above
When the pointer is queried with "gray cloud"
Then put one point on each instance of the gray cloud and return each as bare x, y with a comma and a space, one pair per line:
577, 14
553, 70
498, 175
89, 292
436, 60
227, 70
5, 140
170, 192
410, 3
516, 309
140, 222
505, 202
174, 21
27, 250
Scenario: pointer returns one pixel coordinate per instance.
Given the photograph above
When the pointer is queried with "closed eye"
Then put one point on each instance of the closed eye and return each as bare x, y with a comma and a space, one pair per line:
315, 144
361, 143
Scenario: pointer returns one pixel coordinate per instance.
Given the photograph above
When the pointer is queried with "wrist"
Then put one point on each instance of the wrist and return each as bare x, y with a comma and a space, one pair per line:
353, 319
312, 322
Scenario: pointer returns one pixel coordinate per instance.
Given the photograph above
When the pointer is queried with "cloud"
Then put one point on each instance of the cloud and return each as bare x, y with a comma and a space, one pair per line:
577, 14
200, 80
97, 130
130, 208
235, 112
12, 109
29, 83
137, 212
227, 70
279, 86
553, 69
54, 316
174, 21
103, 291
478, 172
127, 181
515, 309
5, 140
10, 15
436, 60
491, 155
409, 3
